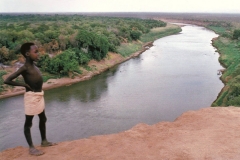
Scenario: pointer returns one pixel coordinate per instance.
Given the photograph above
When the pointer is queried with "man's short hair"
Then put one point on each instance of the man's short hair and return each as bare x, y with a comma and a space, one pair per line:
25, 48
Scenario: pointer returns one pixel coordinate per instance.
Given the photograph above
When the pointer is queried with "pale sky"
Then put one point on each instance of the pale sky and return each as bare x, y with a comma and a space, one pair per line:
221, 6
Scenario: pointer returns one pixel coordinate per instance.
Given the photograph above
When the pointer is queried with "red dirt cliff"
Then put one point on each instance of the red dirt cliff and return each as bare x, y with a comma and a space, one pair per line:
209, 133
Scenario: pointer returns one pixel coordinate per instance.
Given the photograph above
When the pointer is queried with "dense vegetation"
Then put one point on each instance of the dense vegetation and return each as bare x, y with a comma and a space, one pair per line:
83, 37
228, 45
1, 79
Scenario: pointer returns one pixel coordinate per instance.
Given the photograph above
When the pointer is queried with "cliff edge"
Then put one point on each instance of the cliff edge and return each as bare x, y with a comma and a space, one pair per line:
209, 133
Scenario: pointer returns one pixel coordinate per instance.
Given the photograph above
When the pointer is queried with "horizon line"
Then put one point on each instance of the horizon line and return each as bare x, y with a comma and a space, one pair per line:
124, 12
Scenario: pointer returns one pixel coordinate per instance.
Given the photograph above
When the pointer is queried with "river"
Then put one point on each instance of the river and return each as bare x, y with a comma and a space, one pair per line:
177, 74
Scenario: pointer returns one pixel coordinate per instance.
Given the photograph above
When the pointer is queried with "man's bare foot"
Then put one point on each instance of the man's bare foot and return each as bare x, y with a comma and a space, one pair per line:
47, 144
35, 152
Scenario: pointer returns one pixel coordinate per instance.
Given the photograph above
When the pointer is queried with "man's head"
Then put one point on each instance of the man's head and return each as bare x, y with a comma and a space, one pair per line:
25, 48
29, 50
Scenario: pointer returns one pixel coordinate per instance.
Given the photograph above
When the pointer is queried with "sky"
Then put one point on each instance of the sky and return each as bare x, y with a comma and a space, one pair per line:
206, 6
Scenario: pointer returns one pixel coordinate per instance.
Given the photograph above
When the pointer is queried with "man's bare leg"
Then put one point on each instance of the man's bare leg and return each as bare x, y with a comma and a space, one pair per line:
27, 133
42, 128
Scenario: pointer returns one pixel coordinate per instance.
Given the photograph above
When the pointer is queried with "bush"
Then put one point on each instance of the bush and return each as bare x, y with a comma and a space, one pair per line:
236, 34
135, 35
234, 101
82, 57
44, 62
6, 56
233, 96
62, 64
226, 34
1, 80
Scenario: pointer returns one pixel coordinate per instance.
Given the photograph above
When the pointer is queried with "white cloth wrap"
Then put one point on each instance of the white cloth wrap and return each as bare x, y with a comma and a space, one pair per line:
34, 102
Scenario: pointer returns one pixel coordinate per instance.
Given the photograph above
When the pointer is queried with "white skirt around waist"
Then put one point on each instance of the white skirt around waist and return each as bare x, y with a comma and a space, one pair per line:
34, 103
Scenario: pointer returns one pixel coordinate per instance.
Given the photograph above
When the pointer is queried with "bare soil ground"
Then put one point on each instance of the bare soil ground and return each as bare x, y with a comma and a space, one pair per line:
209, 133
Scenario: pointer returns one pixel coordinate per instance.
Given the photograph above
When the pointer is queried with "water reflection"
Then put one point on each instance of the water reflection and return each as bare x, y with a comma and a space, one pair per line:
86, 91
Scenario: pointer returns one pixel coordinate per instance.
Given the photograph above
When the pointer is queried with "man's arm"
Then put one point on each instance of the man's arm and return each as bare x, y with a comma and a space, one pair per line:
10, 79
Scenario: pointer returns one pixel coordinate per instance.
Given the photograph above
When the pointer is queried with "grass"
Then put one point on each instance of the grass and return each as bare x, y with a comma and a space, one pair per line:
223, 31
157, 33
87, 67
218, 30
230, 58
46, 76
220, 99
127, 49
230, 55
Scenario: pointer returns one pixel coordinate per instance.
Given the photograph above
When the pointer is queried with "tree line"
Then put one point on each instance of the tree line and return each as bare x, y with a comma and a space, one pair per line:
65, 39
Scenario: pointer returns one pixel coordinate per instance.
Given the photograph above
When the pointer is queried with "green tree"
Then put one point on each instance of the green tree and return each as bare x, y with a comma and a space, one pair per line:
3, 38
25, 36
62, 42
93, 36
42, 28
96, 45
50, 35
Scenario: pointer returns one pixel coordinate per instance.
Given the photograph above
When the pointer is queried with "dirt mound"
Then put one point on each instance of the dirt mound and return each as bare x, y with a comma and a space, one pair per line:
209, 133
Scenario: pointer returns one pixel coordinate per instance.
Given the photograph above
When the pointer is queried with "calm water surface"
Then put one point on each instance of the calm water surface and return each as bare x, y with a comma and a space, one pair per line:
177, 74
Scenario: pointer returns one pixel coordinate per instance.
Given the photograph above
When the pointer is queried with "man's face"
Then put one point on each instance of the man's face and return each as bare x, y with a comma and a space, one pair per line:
33, 53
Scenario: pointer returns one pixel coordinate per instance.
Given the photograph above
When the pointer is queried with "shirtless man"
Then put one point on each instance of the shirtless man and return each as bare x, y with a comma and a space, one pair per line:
33, 84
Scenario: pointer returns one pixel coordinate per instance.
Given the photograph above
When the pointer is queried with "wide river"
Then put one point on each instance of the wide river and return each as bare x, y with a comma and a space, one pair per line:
177, 74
